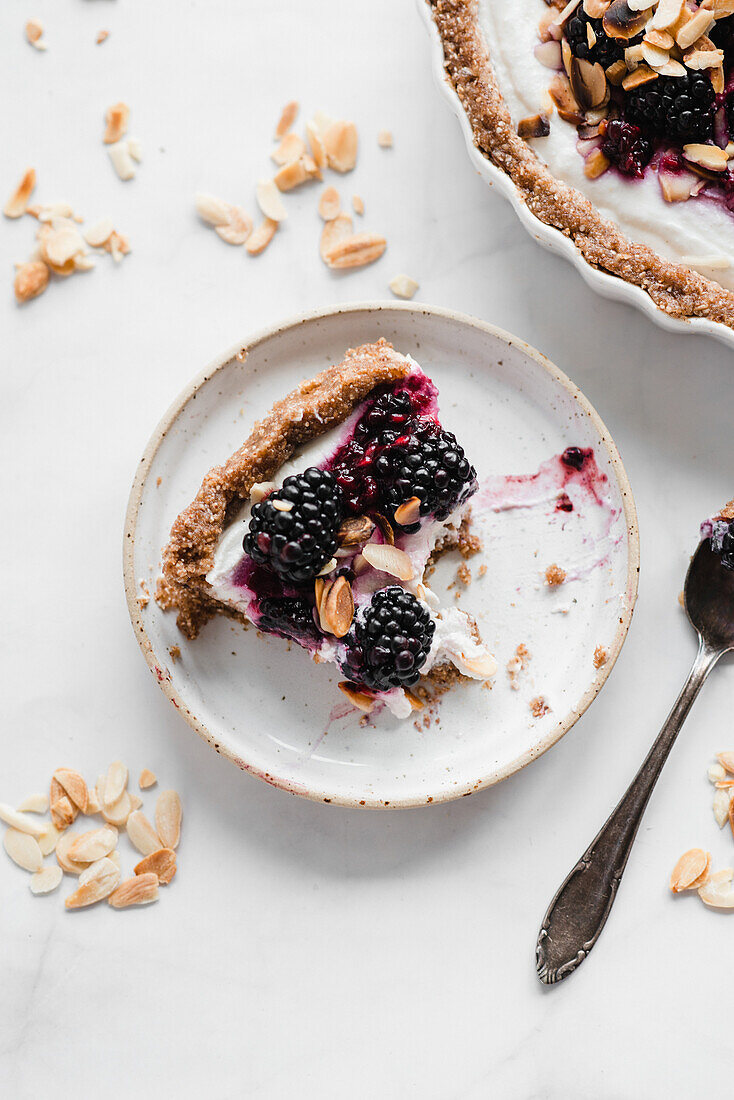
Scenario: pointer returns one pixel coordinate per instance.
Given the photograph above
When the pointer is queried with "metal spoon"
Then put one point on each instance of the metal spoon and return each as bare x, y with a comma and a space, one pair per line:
578, 912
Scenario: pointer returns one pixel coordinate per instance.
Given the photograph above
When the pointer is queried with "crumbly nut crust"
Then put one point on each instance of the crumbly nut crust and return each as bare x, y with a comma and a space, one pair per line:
314, 407
674, 288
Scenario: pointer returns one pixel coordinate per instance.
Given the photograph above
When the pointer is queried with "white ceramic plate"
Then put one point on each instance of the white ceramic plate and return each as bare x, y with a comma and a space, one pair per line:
609, 286
276, 714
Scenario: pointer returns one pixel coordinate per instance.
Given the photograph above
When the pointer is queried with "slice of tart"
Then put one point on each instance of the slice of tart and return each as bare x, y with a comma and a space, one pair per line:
614, 119
320, 527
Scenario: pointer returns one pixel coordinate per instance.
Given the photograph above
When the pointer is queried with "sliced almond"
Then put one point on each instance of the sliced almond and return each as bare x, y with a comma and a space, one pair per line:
358, 204
211, 209
336, 608
161, 863
102, 36
643, 74
388, 535
20, 821
49, 839
33, 32
74, 786
354, 531
63, 845
147, 777
115, 783
116, 119
31, 279
708, 156
269, 200
726, 759
329, 204
292, 175
662, 39
96, 882
291, 148
721, 807
408, 512
46, 880
595, 164
689, 867
562, 96
620, 21
588, 82
548, 54
700, 24
261, 237
316, 144
389, 559
94, 845
118, 813
334, 232
534, 126
138, 890
356, 251
34, 804
94, 806
23, 849
122, 160
63, 812
168, 813
479, 667
403, 286
329, 567
142, 834
287, 118
666, 14
238, 228
340, 144
357, 698
385, 139
718, 892
16, 205
98, 233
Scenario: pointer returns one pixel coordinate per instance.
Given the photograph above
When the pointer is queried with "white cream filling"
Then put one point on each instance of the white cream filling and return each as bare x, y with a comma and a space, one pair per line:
453, 639
698, 233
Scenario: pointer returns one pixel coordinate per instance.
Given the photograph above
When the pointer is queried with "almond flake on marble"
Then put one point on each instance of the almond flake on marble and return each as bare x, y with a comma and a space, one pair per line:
122, 160
238, 229
564, 14
716, 772
691, 865
718, 892
168, 814
31, 279
721, 807
335, 230
93, 845
19, 821
63, 812
115, 783
141, 833
261, 237
138, 890
99, 233
116, 120
46, 880
74, 786
269, 200
385, 139
726, 759
295, 173
23, 849
49, 839
316, 144
34, 804
34, 33
161, 863
147, 777
63, 859
329, 204
403, 286
17, 204
356, 251
118, 813
291, 148
287, 118
340, 144
96, 882
102, 36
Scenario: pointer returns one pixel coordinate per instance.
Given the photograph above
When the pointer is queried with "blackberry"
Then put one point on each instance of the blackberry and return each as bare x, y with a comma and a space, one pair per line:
388, 645
605, 50
431, 466
390, 412
627, 147
575, 457
677, 107
722, 541
298, 542
287, 616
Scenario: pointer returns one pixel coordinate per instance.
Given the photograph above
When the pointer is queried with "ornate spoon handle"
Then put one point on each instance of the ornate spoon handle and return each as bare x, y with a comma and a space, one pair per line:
578, 912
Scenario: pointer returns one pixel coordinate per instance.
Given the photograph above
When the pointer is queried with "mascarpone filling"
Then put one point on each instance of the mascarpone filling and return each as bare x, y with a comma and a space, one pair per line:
698, 233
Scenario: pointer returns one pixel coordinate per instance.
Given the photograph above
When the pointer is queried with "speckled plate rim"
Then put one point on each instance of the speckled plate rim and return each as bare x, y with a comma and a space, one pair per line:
157, 665
609, 286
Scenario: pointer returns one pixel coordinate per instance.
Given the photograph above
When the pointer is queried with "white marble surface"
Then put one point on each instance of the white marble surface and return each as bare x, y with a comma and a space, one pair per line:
305, 950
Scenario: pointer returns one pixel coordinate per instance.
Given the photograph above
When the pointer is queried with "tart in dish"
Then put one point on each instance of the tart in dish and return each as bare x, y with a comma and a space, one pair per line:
614, 120
320, 527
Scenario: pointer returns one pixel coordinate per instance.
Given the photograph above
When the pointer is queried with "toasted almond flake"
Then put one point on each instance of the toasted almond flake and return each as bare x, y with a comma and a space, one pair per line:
415, 702
384, 137
655, 56
715, 772
33, 32
703, 878
724, 784
138, 890
329, 204
688, 868
121, 159
620, 21
726, 759
17, 204
354, 531
98, 233
336, 609
718, 892
94, 806
403, 286
46, 880
316, 145
118, 813
340, 144
666, 14
168, 813
49, 839
135, 149
389, 559
115, 783
63, 859
562, 96
31, 279
357, 698
260, 490
34, 804
61, 243
358, 204
135, 801
102, 36
142, 834
291, 148
480, 666
643, 74
534, 126
19, 821
23, 849
91, 846
269, 200
161, 863
549, 54
282, 505
700, 24
287, 118
673, 68
261, 237
356, 251
662, 39
116, 119
721, 807
328, 568
63, 812
336, 230
292, 175
74, 785
95, 883
147, 777
708, 156
238, 229
408, 512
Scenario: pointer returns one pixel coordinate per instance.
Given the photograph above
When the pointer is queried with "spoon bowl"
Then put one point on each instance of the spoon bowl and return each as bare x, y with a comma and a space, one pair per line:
709, 598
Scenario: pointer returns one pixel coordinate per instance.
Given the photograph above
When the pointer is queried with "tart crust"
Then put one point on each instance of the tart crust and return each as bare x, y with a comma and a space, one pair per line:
315, 406
674, 288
